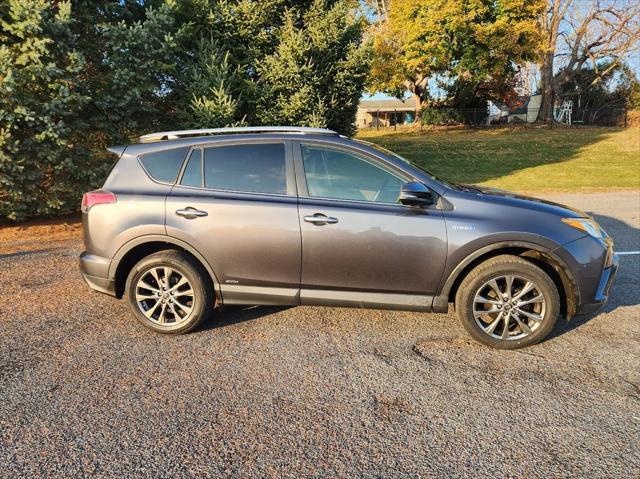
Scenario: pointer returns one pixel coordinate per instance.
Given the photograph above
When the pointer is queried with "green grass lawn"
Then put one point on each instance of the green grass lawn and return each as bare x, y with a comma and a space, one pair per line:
523, 159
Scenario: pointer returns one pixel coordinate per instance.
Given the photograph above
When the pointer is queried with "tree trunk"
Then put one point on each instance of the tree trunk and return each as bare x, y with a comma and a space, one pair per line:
417, 94
551, 26
546, 107
418, 100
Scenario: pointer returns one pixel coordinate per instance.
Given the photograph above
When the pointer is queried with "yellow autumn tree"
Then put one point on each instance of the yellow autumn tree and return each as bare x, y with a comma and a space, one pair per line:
475, 45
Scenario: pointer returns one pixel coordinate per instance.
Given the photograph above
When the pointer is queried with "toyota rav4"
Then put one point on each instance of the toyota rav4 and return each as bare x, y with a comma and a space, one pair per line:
189, 221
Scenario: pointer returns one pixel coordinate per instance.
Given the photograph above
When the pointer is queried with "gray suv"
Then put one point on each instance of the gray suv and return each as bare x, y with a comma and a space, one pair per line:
189, 221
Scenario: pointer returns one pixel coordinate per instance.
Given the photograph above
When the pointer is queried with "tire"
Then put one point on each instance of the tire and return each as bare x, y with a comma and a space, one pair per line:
156, 308
478, 304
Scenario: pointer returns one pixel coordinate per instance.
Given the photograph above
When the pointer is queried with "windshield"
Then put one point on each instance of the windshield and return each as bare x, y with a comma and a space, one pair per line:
383, 150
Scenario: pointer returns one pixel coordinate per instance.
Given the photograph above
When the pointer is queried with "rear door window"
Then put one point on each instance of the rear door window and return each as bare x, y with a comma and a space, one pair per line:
252, 168
164, 165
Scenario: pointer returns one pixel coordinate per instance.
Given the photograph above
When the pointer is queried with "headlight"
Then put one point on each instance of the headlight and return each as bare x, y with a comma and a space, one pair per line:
588, 225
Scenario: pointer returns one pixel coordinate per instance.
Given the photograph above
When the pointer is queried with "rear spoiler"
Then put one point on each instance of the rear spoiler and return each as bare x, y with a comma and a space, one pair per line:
117, 150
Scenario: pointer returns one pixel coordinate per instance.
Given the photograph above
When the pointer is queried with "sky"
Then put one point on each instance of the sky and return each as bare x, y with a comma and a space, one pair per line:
376, 96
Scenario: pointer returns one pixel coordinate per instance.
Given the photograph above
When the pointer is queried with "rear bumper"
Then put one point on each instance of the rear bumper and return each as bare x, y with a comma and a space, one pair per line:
95, 271
601, 297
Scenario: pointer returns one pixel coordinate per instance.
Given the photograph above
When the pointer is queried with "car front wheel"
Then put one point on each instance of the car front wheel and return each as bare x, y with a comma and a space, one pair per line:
167, 292
508, 302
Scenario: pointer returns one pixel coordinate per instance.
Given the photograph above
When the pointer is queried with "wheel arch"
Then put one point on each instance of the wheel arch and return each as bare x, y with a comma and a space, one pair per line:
543, 257
136, 249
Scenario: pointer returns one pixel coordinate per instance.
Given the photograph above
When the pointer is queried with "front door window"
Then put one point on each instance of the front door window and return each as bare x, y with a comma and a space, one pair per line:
338, 174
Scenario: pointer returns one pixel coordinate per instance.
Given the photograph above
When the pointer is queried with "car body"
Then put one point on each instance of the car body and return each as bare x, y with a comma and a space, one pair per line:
301, 216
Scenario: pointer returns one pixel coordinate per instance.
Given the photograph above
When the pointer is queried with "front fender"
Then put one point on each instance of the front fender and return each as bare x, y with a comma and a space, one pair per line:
463, 256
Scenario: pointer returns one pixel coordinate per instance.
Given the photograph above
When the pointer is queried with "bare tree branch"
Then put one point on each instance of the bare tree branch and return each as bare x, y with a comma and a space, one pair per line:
592, 33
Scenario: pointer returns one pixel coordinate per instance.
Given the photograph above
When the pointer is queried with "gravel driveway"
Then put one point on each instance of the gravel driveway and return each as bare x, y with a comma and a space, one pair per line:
311, 392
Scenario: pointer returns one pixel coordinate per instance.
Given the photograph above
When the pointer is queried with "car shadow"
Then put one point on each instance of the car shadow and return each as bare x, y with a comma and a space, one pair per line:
230, 315
626, 289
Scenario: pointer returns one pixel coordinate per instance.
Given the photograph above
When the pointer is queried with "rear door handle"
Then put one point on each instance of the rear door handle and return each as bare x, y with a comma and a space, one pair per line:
190, 213
320, 219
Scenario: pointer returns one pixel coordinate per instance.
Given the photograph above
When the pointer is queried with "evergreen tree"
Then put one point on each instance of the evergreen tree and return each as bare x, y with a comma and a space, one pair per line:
79, 75
317, 72
75, 78
215, 87
285, 63
130, 49
39, 107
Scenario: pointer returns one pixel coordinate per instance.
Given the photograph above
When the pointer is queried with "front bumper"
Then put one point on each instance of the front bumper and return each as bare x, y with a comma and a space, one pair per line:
607, 279
95, 271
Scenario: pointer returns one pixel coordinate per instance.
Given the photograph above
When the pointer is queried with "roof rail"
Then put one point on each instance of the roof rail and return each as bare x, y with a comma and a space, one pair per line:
174, 135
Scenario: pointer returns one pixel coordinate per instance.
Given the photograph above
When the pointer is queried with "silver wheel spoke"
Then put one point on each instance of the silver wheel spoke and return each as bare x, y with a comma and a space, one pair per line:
181, 282
505, 331
509, 280
535, 317
154, 273
152, 309
175, 312
482, 299
527, 287
537, 299
144, 285
482, 312
144, 297
523, 326
183, 307
494, 286
162, 317
167, 276
494, 324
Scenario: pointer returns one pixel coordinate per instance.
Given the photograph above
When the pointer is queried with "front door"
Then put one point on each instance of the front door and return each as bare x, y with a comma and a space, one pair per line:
359, 246
236, 204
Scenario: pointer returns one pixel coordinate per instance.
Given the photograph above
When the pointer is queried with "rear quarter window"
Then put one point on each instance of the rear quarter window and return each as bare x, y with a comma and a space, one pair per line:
164, 165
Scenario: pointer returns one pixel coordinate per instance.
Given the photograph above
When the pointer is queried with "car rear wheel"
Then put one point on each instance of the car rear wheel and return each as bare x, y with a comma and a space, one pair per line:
168, 292
508, 302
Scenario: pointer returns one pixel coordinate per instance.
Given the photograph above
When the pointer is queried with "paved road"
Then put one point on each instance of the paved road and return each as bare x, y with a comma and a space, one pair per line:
311, 392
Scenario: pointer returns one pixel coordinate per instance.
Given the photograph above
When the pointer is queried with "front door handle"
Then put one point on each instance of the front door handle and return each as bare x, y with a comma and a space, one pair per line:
190, 213
320, 219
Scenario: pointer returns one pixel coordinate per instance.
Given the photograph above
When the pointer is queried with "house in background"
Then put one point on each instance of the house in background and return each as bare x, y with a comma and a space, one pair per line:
525, 110
391, 112
372, 113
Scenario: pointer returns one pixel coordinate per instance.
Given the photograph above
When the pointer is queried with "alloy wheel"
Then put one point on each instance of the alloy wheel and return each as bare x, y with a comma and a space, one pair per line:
509, 307
163, 294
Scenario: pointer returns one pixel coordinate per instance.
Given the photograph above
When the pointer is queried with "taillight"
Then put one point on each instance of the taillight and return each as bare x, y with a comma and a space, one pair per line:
97, 197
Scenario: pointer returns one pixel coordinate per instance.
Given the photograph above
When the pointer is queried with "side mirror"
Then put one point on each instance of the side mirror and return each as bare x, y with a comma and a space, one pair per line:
415, 194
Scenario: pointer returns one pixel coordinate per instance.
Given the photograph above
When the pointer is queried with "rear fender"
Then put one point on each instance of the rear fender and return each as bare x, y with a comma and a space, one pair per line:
164, 239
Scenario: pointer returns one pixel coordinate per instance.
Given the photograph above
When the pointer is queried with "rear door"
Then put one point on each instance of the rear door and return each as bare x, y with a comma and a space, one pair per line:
357, 238
236, 204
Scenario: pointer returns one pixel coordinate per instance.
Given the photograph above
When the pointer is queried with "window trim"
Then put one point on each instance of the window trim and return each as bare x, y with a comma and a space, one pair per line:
288, 163
192, 150
301, 177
